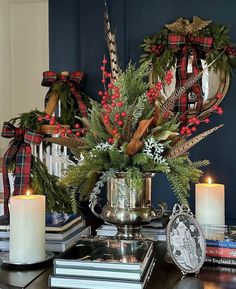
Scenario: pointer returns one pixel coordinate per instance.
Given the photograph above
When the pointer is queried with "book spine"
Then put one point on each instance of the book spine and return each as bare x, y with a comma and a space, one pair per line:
224, 244
221, 261
221, 252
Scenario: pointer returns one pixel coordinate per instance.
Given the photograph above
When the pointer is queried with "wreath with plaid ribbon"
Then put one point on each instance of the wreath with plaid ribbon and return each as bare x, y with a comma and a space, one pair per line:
29, 171
207, 43
185, 44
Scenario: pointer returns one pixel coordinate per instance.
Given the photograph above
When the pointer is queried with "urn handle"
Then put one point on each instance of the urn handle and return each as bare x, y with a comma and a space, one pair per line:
160, 211
92, 207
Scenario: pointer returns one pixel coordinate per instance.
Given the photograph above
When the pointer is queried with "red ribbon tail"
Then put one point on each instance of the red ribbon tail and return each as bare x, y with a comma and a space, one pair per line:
7, 159
22, 169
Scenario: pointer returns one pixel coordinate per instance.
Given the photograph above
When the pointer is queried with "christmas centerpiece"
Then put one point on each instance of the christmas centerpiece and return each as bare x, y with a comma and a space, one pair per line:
129, 136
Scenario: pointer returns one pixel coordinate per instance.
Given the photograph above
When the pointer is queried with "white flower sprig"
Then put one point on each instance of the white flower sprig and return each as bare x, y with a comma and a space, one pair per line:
93, 198
153, 149
103, 146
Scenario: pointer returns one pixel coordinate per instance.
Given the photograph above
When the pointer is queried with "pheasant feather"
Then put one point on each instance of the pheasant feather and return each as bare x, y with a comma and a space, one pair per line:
180, 149
169, 104
111, 43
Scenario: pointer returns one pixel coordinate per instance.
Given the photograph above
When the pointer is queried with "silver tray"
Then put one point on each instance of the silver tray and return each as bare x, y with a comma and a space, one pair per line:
5, 260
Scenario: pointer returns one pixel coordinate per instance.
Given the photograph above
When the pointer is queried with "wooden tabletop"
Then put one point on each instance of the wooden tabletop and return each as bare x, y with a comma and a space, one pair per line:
164, 276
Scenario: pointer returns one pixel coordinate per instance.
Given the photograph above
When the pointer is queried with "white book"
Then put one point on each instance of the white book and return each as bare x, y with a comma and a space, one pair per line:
62, 235
98, 273
112, 254
62, 281
155, 234
50, 235
55, 245
55, 222
69, 241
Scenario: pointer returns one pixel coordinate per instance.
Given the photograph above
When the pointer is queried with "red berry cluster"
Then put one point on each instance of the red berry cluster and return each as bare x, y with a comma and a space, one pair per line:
168, 77
154, 91
194, 121
192, 125
60, 129
230, 50
157, 49
105, 74
219, 95
113, 118
218, 109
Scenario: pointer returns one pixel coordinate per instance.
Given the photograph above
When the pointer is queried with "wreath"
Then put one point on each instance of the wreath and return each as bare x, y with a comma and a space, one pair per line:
183, 45
208, 41
32, 128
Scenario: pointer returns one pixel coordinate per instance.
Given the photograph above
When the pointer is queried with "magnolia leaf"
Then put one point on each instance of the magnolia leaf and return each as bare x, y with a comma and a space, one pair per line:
164, 135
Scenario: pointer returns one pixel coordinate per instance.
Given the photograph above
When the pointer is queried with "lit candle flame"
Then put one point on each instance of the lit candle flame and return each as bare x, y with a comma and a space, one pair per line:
209, 181
28, 193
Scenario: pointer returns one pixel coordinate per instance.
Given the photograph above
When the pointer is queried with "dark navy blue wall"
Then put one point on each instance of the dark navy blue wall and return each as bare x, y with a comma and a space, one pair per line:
77, 43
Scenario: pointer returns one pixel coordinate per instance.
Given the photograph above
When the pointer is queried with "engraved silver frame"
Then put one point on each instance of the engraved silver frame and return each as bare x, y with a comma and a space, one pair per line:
185, 241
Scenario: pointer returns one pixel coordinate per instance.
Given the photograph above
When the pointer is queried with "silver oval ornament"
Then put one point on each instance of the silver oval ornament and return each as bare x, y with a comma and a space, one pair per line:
185, 241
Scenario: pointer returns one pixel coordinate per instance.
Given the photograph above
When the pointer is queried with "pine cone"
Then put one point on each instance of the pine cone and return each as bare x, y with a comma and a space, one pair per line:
157, 49
231, 50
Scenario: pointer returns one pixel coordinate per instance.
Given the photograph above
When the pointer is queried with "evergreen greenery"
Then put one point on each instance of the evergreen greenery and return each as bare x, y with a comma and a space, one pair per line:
183, 172
29, 119
57, 196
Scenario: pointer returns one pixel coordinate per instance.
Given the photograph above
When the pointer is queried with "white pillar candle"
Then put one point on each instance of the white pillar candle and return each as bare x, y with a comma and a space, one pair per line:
210, 209
27, 229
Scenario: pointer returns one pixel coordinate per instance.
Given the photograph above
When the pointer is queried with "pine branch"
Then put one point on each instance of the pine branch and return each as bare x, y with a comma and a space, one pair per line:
132, 84
183, 172
118, 160
179, 189
73, 199
57, 198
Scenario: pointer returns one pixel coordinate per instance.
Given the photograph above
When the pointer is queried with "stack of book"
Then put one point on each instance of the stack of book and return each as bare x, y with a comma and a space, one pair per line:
156, 230
103, 263
222, 275
61, 232
221, 252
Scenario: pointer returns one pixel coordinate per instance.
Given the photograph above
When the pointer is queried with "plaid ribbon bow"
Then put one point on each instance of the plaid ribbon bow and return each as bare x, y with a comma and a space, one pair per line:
19, 151
184, 44
73, 80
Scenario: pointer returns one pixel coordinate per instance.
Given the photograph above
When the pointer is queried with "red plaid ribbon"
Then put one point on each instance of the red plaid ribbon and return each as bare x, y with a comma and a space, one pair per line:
73, 80
19, 152
184, 44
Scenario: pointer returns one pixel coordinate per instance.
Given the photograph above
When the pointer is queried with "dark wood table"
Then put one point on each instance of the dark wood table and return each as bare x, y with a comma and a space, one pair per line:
164, 276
